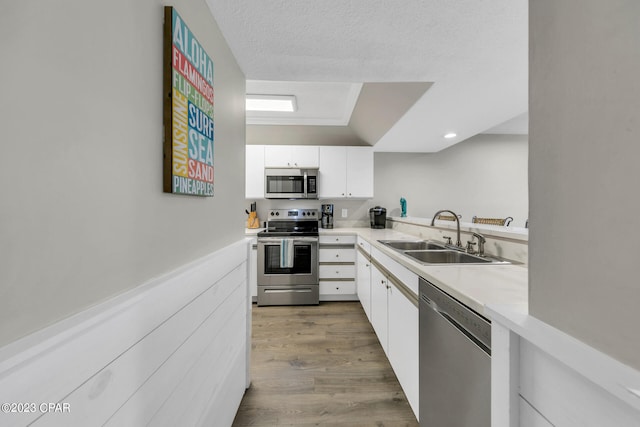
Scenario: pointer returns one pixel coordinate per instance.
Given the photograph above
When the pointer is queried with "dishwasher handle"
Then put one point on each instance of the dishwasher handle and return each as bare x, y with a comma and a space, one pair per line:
466, 333
474, 326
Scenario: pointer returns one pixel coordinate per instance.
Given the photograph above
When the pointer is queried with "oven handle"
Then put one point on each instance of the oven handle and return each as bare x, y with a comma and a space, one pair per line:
278, 240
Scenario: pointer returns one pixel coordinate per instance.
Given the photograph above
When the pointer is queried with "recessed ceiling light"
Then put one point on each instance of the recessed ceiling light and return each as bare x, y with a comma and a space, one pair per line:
277, 103
450, 135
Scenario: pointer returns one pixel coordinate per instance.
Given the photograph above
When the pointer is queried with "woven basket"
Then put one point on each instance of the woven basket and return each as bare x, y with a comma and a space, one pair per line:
492, 221
446, 217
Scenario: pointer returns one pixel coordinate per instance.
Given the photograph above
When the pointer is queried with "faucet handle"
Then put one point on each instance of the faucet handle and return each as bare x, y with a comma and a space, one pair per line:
448, 239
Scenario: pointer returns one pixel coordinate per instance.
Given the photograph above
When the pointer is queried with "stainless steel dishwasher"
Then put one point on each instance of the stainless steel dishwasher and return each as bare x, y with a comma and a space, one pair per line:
455, 362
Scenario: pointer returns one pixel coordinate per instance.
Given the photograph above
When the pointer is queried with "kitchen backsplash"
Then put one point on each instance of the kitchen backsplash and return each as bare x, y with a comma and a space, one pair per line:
357, 211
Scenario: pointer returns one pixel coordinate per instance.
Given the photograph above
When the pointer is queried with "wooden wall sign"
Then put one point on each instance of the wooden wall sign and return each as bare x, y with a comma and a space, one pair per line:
188, 110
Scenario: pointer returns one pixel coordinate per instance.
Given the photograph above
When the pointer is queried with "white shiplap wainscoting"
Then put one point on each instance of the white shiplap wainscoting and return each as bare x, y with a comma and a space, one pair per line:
171, 352
542, 377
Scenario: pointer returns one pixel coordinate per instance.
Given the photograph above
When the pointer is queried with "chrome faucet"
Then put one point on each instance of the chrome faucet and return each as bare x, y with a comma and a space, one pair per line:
458, 242
481, 242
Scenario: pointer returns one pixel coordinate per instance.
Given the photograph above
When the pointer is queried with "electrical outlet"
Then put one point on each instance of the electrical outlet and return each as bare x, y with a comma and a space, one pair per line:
345, 213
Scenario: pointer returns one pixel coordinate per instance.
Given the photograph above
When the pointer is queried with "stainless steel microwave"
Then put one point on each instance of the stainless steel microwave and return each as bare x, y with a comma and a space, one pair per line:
290, 183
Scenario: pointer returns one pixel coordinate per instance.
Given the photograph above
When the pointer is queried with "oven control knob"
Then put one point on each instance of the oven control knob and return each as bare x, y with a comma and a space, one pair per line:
272, 214
277, 213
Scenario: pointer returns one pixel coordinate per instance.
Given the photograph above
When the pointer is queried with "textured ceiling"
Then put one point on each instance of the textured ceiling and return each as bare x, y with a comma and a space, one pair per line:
474, 52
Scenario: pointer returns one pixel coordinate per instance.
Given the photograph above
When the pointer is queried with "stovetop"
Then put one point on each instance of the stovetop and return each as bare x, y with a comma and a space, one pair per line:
293, 215
288, 234
291, 223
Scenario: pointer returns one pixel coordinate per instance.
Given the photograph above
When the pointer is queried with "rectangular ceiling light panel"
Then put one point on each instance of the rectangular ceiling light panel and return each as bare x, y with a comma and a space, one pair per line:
277, 103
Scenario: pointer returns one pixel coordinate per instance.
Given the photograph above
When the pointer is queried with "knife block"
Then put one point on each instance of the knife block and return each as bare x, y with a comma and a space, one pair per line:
253, 221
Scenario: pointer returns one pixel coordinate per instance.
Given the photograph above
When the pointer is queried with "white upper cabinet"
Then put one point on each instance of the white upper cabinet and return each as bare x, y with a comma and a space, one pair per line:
332, 175
254, 172
346, 172
291, 156
360, 172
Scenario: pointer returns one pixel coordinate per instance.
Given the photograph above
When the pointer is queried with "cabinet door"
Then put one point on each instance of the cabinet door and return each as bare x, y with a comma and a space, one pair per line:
254, 172
403, 344
305, 156
332, 180
277, 156
363, 280
253, 271
292, 156
359, 172
379, 318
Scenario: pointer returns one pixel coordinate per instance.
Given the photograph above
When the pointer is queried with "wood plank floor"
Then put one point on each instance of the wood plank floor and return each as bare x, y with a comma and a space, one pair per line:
320, 365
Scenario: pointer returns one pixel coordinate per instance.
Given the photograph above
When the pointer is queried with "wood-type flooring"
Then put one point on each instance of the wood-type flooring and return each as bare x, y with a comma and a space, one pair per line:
320, 365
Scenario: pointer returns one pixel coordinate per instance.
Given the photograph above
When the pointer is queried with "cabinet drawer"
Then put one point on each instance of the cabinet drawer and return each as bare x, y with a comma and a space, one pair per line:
337, 240
337, 272
337, 255
337, 288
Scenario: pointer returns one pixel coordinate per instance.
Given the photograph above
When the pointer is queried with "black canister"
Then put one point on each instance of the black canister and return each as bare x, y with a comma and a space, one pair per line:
378, 217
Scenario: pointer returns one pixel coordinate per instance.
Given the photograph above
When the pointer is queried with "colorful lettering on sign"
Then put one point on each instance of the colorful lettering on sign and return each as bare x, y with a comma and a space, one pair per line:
180, 134
184, 40
192, 113
189, 72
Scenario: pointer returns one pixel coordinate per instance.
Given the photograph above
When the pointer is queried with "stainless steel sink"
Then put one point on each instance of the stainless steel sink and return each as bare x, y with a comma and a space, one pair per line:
431, 252
407, 245
450, 257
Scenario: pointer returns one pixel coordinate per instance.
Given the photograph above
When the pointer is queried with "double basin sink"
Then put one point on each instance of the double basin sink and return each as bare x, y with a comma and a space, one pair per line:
430, 252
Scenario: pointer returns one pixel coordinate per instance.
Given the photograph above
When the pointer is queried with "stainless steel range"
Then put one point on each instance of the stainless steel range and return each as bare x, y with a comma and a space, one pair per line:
288, 258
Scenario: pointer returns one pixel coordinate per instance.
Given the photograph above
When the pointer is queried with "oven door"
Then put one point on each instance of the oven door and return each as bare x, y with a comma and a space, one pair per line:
305, 262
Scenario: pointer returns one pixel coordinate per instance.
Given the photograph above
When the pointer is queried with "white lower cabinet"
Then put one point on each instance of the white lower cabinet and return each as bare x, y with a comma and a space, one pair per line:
403, 343
379, 310
337, 256
338, 289
253, 269
363, 281
393, 313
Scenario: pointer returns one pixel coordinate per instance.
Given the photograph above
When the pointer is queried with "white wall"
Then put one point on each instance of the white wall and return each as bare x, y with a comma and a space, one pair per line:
82, 213
485, 176
583, 171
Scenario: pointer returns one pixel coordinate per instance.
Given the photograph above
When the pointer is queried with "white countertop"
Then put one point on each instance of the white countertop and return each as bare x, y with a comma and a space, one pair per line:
474, 285
250, 232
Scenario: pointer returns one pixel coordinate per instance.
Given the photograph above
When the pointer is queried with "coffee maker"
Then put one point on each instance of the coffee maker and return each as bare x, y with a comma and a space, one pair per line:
378, 217
327, 216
